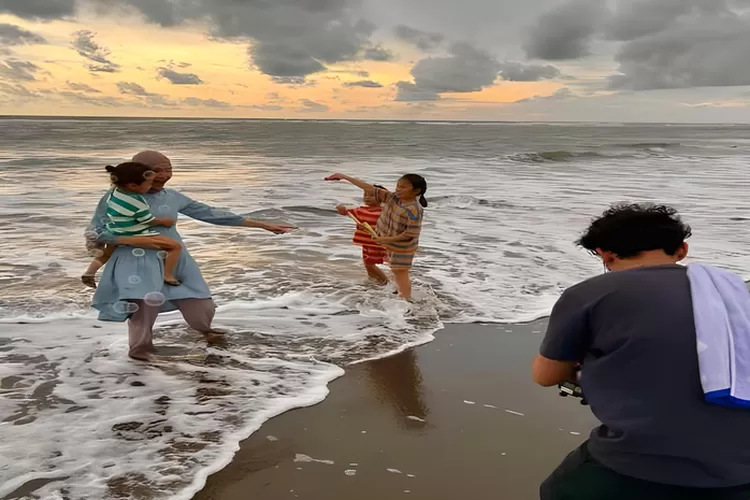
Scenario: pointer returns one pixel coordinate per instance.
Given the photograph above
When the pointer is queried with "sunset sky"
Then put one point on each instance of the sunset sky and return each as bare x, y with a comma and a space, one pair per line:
538, 60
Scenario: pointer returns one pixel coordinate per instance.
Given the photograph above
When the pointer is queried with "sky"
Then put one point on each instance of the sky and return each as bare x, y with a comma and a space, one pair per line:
532, 60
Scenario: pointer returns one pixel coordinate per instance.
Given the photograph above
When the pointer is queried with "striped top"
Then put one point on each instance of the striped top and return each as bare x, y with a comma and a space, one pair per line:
128, 214
399, 219
371, 216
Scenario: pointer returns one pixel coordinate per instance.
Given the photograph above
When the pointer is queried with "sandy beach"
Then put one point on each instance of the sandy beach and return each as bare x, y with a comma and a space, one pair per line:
459, 415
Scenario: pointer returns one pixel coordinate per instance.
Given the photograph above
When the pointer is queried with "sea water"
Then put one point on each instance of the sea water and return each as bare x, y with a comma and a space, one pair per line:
79, 420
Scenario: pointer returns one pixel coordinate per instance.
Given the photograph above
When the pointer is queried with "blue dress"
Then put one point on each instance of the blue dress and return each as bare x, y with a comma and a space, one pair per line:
135, 273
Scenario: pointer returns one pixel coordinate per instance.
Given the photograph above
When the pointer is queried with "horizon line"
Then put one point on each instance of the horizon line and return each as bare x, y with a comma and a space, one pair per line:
375, 120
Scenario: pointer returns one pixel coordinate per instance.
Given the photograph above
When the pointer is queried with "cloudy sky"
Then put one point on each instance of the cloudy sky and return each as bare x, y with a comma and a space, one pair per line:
539, 60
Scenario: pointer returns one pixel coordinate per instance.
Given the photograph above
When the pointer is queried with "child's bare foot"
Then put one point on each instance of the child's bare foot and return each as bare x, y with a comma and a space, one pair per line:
172, 281
89, 280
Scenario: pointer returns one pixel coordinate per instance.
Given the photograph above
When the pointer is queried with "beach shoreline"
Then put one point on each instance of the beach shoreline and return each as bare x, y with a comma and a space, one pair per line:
417, 423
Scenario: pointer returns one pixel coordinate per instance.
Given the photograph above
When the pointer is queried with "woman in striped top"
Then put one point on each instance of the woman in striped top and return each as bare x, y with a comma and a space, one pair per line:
372, 253
131, 220
399, 225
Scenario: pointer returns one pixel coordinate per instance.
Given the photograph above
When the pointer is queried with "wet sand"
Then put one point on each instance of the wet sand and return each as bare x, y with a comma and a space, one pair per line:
456, 417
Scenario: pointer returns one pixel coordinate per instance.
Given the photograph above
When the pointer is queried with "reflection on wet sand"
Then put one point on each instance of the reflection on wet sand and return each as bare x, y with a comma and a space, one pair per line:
398, 381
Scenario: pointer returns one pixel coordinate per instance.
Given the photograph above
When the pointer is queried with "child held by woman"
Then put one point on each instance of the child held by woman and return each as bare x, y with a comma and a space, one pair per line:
131, 220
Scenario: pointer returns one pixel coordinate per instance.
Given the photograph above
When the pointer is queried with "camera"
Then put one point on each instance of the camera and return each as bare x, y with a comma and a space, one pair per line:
571, 389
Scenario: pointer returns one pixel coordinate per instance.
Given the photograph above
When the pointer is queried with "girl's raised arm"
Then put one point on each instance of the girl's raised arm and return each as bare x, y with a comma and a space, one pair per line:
360, 184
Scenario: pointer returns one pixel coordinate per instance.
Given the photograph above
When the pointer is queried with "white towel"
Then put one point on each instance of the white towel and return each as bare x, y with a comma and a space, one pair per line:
721, 308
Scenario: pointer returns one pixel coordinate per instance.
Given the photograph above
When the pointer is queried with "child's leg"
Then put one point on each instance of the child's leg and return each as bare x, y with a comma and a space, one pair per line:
88, 277
372, 257
374, 272
172, 247
401, 265
403, 282
170, 263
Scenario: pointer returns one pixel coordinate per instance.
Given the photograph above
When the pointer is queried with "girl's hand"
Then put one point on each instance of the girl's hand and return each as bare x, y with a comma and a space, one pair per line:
335, 177
341, 209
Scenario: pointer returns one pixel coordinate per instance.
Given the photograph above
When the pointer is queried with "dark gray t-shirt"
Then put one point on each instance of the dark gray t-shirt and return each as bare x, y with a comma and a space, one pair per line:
634, 332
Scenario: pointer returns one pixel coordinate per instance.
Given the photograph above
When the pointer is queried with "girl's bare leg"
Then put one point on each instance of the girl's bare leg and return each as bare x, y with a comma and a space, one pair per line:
403, 283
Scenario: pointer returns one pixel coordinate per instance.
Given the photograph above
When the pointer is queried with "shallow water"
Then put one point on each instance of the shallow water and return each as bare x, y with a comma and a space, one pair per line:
507, 202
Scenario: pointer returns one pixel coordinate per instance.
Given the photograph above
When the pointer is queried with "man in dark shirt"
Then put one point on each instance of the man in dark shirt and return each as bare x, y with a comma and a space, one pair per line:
632, 333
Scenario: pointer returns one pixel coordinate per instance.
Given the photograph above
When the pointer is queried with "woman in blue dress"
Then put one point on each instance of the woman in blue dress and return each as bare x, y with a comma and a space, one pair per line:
131, 285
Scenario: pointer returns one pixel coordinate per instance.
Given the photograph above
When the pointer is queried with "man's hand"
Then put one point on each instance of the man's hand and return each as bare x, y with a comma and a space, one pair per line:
336, 177
164, 221
549, 372
341, 209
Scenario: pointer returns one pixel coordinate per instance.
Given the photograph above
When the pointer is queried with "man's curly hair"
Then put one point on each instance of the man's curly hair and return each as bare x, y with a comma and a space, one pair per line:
627, 229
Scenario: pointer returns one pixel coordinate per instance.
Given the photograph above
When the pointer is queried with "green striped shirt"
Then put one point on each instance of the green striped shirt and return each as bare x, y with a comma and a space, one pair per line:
129, 214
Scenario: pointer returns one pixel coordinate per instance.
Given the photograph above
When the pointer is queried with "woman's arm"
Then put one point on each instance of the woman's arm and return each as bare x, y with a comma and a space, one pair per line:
206, 213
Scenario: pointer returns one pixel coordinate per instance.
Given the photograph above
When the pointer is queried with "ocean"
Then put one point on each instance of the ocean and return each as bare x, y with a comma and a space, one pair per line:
78, 420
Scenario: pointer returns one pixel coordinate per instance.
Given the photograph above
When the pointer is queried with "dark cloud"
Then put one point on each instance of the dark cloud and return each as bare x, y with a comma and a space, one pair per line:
636, 18
82, 87
312, 106
290, 80
467, 69
16, 90
267, 107
378, 53
81, 98
423, 40
514, 71
210, 103
11, 34
133, 89
130, 88
695, 44
289, 37
408, 92
14, 69
84, 44
566, 31
562, 94
177, 78
369, 84
39, 9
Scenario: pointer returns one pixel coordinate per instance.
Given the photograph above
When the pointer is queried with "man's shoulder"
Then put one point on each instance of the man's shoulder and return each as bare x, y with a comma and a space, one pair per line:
640, 277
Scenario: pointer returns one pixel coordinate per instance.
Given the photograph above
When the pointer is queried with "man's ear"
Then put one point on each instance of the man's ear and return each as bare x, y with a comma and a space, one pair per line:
682, 252
607, 257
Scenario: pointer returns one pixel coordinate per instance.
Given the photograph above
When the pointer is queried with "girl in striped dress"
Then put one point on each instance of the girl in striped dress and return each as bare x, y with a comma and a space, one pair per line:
400, 224
131, 221
372, 253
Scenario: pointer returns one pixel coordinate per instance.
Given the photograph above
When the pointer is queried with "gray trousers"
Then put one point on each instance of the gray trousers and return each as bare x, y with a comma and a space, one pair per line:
198, 313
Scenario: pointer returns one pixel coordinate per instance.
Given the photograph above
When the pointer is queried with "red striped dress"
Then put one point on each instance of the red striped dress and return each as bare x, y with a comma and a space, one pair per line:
372, 253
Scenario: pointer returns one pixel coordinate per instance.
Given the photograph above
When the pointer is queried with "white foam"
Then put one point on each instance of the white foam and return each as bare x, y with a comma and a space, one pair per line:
307, 459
